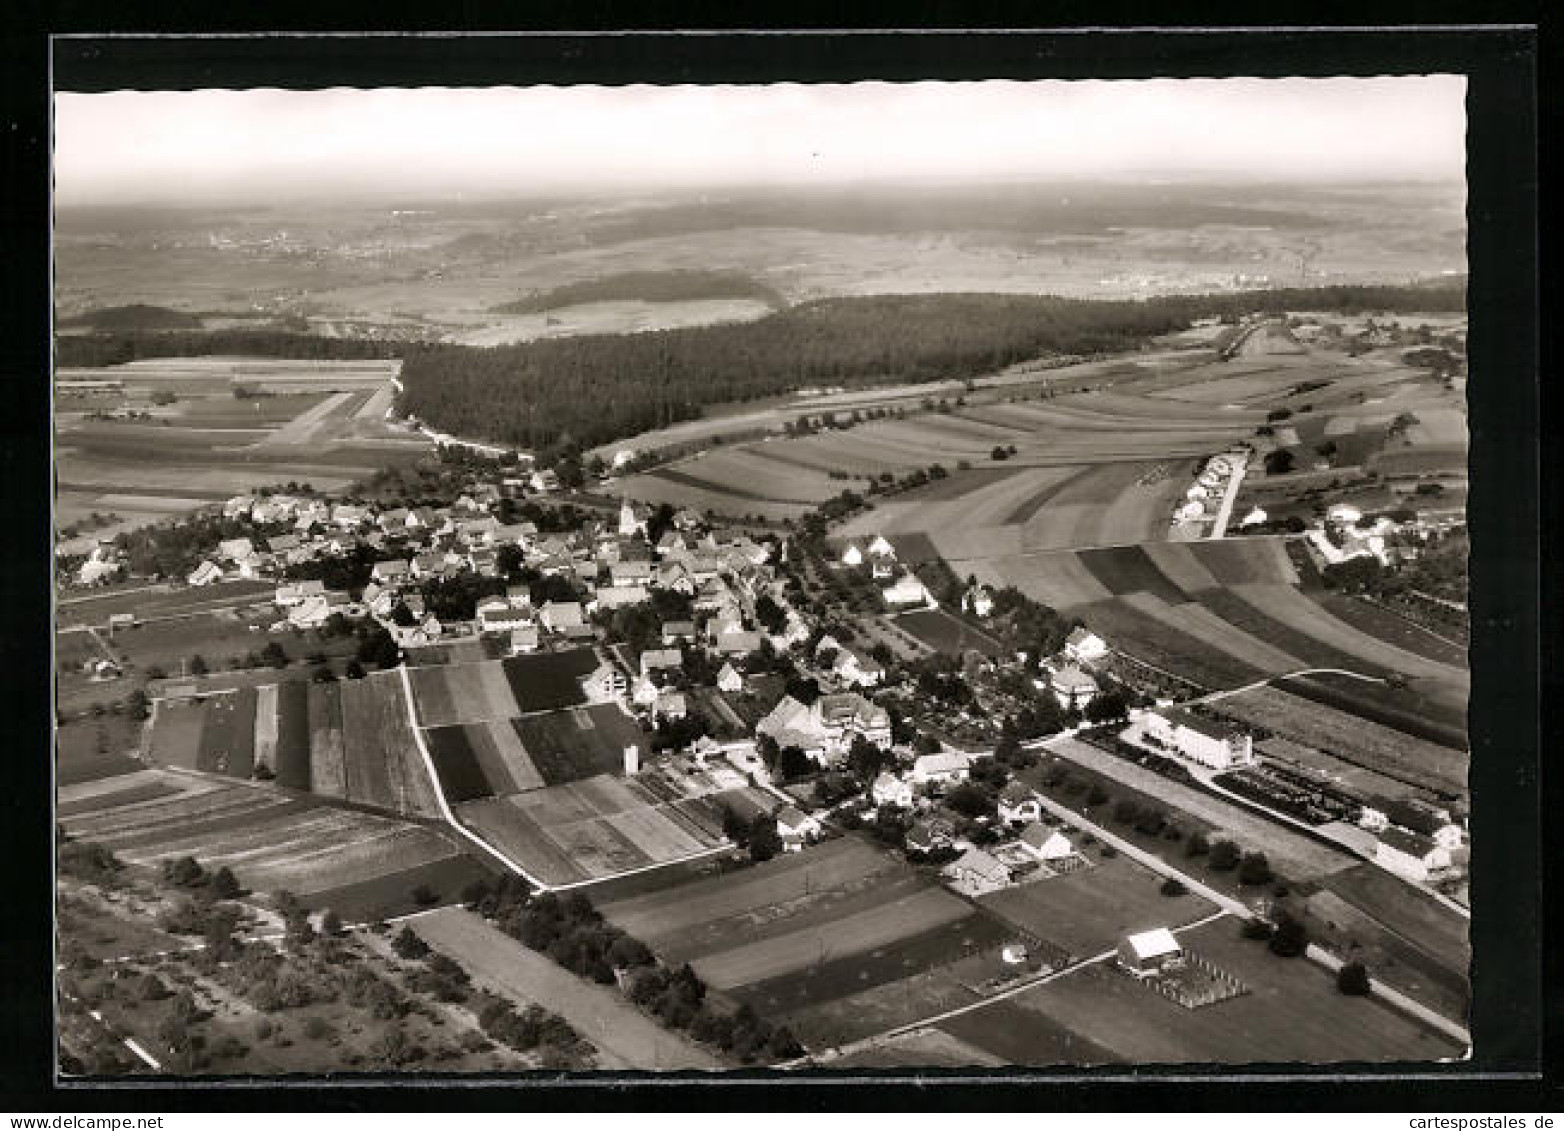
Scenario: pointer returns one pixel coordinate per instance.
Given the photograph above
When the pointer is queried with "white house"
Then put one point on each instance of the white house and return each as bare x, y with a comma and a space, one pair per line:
205, 574
523, 639
619, 596
504, 614
888, 789
1072, 687
941, 769
828, 726
729, 680
633, 517
1018, 804
390, 571
1084, 646
643, 692
1150, 952
856, 670
670, 705
1210, 744
852, 556
1046, 844
605, 684
975, 872
907, 590
796, 828
661, 659
1412, 856
561, 616
290, 595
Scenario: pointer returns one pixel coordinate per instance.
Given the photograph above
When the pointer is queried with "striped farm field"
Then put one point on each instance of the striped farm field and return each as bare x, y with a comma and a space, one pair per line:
662, 918
1172, 648
269, 841
591, 829
382, 764
852, 933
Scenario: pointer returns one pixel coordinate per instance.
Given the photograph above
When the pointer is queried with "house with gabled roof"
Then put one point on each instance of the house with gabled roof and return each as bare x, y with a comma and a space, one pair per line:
729, 680
888, 789
796, 828
1046, 844
661, 660
1085, 646
975, 872
1018, 804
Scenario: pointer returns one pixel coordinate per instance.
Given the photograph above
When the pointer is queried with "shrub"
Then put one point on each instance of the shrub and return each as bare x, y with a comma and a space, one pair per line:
1290, 938
1257, 929
1254, 870
1224, 856
1353, 980
1173, 887
1108, 852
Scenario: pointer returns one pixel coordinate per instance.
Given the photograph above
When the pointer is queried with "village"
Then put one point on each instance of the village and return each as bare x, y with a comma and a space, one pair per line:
711, 642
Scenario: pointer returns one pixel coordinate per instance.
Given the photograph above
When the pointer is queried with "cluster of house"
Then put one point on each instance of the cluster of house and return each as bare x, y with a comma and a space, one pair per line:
610, 565
1343, 534
1417, 840
900, 588
1203, 499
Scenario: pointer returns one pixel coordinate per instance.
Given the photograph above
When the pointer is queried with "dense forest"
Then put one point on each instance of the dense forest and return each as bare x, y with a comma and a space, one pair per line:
576, 392
137, 316
587, 390
117, 348
649, 286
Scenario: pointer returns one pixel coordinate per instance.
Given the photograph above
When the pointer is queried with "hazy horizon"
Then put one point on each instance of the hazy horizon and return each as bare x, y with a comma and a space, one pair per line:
217, 148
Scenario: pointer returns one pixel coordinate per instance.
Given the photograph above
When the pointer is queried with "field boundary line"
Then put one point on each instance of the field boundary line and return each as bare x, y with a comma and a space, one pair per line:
445, 807
1395, 998
725, 846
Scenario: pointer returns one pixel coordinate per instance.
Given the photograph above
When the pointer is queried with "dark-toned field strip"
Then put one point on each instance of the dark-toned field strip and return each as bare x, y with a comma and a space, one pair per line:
562, 751
1022, 1036
1127, 569
1168, 648
131, 795
241, 752
1388, 626
945, 632
1257, 623
821, 982
701, 940
1024, 512
549, 681
1402, 710
215, 826
293, 736
385, 896
214, 749
80, 769
684, 479
456, 765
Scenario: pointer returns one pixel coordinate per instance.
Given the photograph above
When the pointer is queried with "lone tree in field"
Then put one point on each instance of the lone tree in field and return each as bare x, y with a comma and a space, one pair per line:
408, 945
1353, 980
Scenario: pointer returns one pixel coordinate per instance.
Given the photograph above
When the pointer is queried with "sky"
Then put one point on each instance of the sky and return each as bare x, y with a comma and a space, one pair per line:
248, 145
